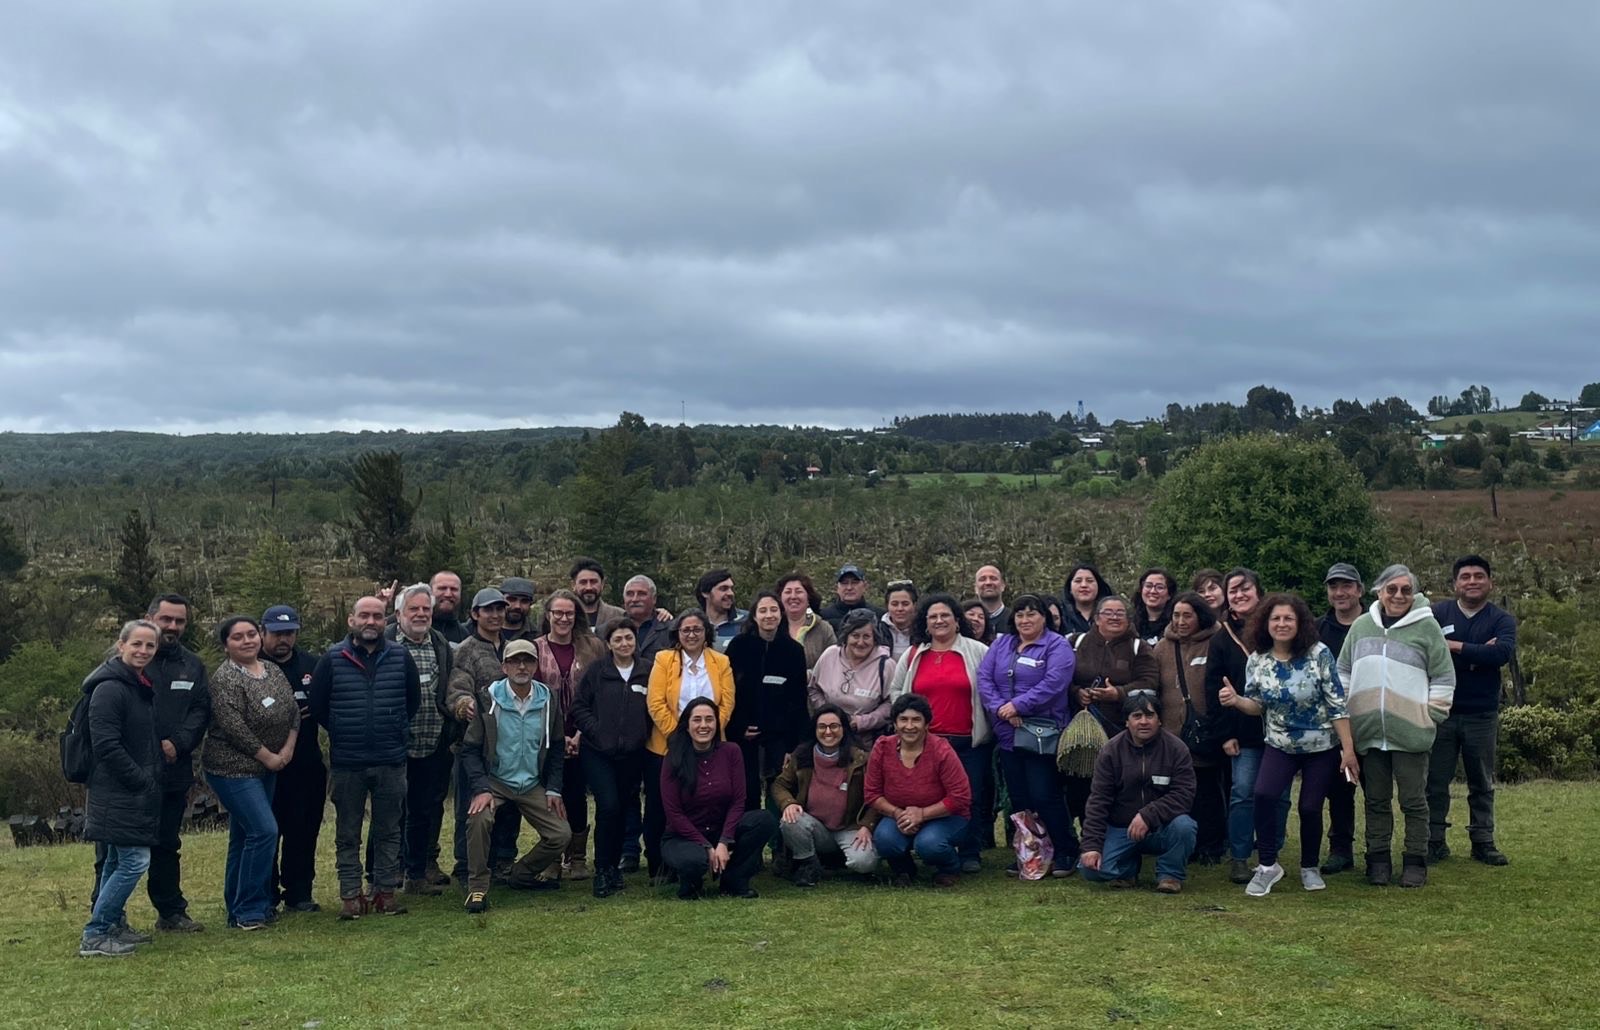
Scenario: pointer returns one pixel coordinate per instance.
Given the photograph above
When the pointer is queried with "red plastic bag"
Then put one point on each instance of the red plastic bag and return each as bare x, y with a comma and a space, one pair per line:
1035, 853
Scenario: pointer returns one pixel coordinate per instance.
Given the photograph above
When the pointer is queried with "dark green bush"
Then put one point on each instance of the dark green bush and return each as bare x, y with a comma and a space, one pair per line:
1539, 741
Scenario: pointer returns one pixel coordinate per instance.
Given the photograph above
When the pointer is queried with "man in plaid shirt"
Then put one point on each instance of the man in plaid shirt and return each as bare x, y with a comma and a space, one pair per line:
428, 756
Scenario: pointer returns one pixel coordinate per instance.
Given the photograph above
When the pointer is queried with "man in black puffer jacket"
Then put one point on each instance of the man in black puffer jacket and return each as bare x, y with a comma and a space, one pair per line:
182, 713
364, 692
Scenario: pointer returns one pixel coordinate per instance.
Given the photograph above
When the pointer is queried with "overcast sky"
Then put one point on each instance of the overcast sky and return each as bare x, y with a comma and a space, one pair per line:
331, 215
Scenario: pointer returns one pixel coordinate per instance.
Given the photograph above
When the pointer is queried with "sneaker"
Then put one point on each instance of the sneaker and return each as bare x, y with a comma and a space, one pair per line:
1337, 863
1312, 880
1438, 851
424, 886
1488, 854
103, 946
971, 865
383, 904
807, 872
352, 908
1415, 873
1265, 876
901, 880
1061, 872
1167, 885
1239, 871
128, 935
180, 923
946, 879
250, 924
436, 876
477, 901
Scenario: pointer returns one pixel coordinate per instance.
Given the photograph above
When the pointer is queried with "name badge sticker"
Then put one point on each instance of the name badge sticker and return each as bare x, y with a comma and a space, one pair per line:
1161, 781
268, 702
640, 688
183, 684
299, 695
1032, 663
1447, 630
774, 681
1198, 661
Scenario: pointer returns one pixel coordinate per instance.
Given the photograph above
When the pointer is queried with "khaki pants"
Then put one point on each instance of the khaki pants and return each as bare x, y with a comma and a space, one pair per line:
1383, 774
535, 808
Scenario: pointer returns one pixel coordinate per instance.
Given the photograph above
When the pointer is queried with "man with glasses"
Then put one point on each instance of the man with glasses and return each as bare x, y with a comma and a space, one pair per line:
514, 757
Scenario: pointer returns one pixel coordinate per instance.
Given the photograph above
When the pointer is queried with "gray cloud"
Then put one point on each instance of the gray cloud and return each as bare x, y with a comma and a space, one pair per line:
361, 215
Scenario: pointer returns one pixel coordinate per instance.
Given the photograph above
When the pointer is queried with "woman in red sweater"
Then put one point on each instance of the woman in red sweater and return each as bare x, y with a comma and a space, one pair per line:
915, 779
702, 793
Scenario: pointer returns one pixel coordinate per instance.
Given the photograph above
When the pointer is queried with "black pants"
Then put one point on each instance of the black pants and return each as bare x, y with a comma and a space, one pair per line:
298, 803
614, 782
1342, 817
655, 818
1210, 811
162, 882
427, 784
1076, 790
689, 858
574, 794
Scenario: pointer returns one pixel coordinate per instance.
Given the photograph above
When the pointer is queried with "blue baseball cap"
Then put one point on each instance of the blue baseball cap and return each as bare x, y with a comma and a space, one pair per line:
280, 618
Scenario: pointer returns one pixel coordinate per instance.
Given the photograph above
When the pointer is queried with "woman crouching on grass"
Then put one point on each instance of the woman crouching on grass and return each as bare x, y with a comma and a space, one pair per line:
1291, 682
915, 779
822, 795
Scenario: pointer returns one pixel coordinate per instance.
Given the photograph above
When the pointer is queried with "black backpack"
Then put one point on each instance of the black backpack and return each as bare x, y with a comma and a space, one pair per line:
77, 751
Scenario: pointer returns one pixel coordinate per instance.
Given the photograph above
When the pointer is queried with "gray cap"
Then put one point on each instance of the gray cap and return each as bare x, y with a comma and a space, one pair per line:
487, 596
516, 586
1343, 570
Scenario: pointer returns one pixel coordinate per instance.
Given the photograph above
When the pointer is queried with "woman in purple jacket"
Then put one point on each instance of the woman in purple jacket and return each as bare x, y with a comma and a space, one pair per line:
1024, 681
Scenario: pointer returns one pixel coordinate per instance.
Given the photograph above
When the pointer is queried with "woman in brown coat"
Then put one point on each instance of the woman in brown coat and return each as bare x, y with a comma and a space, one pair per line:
1181, 661
1112, 662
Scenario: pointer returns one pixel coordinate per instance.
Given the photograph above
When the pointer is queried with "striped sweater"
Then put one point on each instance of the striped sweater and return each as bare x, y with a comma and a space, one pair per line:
1399, 680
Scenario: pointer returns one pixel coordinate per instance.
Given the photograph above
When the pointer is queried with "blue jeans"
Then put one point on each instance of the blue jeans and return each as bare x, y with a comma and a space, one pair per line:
1242, 805
252, 844
1120, 857
118, 877
937, 843
978, 762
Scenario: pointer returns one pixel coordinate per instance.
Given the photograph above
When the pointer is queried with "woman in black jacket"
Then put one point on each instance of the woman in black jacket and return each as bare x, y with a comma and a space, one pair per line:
124, 789
769, 695
610, 713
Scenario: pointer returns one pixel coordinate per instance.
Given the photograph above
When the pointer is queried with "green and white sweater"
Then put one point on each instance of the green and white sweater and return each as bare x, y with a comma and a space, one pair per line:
1399, 680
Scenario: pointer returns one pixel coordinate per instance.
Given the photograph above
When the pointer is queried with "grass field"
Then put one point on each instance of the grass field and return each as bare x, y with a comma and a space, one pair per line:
1517, 946
920, 480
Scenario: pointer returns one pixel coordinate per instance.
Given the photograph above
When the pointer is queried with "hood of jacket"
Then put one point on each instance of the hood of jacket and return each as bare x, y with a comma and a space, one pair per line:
1421, 609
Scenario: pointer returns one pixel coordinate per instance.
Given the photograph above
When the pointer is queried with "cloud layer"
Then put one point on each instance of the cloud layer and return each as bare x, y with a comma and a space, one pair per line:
310, 215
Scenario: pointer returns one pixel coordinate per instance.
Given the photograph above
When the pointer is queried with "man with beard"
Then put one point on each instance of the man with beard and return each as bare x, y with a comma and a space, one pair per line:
476, 664
519, 624
714, 596
446, 587
588, 582
182, 713
301, 791
1343, 584
428, 754
365, 691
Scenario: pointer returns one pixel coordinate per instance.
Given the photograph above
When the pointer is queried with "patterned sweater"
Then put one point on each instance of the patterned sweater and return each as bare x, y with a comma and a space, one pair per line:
1299, 699
247, 714
1399, 680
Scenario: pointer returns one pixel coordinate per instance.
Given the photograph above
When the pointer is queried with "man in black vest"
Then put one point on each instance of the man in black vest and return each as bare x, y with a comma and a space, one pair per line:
365, 691
301, 792
182, 712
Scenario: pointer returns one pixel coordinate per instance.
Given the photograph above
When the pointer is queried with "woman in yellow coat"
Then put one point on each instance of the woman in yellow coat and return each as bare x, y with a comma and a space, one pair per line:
687, 669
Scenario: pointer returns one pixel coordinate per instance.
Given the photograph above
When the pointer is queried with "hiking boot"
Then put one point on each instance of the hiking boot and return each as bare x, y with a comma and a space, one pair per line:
807, 872
601, 886
500, 872
971, 866
477, 901
1167, 885
352, 908
946, 879
1488, 854
128, 935
1261, 883
1379, 870
901, 880
744, 891
1312, 880
690, 887
1337, 863
1438, 851
180, 923
434, 875
1239, 871
1415, 872
384, 904
424, 887
103, 946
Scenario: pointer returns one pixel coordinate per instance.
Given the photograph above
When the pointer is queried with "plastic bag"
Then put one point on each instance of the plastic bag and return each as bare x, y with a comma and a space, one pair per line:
1035, 853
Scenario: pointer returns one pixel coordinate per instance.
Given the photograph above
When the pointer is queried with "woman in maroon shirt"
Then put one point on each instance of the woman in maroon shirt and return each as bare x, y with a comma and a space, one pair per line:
702, 793
915, 779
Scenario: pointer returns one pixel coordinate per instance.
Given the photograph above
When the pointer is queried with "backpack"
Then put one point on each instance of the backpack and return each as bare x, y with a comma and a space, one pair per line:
77, 751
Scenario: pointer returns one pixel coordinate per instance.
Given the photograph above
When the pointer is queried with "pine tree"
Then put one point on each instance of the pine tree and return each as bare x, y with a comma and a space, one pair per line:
133, 582
271, 576
445, 548
616, 522
382, 529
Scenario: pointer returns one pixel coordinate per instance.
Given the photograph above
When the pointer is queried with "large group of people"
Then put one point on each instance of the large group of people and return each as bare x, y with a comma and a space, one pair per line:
843, 739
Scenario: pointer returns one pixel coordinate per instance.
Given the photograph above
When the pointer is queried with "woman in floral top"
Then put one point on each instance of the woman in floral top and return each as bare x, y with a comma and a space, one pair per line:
1292, 683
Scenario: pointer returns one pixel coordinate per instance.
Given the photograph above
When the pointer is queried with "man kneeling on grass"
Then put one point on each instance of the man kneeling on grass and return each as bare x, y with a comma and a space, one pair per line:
1139, 802
508, 759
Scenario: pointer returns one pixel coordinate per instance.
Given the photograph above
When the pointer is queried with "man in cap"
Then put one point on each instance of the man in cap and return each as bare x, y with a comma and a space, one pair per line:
514, 756
519, 624
433, 731
476, 664
1482, 639
1343, 584
301, 792
850, 593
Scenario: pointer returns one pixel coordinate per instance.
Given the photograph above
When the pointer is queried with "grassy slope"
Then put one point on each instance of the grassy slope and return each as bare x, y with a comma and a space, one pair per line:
1513, 946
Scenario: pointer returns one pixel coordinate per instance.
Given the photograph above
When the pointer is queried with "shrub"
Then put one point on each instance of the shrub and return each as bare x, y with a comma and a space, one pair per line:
40, 683
1540, 741
30, 776
1289, 508
1557, 643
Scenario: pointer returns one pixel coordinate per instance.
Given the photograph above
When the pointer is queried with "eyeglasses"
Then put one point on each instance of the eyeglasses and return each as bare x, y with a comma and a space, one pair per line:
1113, 614
690, 631
522, 659
563, 615
1394, 590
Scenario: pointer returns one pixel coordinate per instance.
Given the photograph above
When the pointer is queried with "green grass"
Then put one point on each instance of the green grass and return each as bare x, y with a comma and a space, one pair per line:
920, 480
1501, 947
1515, 421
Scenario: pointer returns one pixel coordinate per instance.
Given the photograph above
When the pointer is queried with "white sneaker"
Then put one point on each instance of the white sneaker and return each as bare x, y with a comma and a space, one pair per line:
1312, 880
1261, 883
